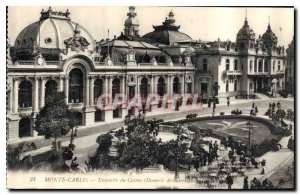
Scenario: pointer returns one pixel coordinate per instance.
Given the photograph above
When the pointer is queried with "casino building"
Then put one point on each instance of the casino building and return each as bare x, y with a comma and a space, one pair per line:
58, 54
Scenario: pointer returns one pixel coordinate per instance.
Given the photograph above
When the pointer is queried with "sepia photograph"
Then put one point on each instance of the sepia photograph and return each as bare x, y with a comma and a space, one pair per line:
137, 97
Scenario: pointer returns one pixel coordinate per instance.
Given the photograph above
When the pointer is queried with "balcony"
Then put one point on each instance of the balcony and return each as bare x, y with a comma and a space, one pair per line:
234, 72
280, 72
204, 72
25, 109
76, 105
258, 73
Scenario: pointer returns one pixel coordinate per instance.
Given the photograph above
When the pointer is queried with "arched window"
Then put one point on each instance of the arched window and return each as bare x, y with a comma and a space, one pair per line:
146, 58
76, 86
204, 64
161, 59
227, 64
51, 87
161, 86
25, 94
116, 89
25, 127
144, 88
176, 88
98, 89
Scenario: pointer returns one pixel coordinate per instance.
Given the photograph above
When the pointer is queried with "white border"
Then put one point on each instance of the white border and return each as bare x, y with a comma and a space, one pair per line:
5, 3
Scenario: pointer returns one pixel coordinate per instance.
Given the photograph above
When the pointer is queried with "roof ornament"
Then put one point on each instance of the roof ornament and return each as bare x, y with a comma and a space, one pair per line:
77, 42
246, 19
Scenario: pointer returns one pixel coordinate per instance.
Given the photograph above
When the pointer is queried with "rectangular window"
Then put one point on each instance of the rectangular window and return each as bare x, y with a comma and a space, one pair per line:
259, 66
205, 64
227, 64
279, 65
266, 66
235, 64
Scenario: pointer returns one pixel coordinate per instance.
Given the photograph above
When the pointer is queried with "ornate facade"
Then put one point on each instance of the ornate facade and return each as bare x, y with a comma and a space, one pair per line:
57, 54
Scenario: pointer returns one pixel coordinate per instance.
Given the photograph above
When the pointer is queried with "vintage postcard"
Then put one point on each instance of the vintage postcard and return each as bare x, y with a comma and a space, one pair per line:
150, 98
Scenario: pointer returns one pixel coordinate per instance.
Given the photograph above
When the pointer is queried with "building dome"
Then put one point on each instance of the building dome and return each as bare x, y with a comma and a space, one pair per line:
269, 37
246, 33
131, 22
167, 33
51, 32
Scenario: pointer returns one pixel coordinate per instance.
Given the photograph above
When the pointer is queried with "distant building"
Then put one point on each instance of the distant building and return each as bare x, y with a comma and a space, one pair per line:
290, 68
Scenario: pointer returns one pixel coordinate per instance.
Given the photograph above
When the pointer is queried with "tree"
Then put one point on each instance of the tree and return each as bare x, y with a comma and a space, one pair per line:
140, 151
54, 120
100, 159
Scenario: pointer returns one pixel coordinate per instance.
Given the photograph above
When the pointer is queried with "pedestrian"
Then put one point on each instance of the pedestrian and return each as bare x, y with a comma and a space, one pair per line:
246, 183
253, 105
204, 159
256, 110
228, 102
196, 164
209, 158
216, 144
210, 145
229, 181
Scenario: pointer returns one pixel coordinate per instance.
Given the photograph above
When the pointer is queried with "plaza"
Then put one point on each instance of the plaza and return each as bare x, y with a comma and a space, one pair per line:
166, 62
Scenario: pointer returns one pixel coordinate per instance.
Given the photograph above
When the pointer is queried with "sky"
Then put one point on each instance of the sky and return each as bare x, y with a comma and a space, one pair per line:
204, 23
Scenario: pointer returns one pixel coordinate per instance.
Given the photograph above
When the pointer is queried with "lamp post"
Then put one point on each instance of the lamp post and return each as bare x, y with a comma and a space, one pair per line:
176, 155
250, 128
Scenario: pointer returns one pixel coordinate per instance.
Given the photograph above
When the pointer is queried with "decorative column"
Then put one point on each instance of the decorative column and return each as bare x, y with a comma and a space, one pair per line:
169, 86
193, 85
182, 85
171, 89
154, 87
67, 89
36, 95
60, 84
16, 95
91, 91
137, 85
10, 93
87, 92
123, 87
42, 92
110, 89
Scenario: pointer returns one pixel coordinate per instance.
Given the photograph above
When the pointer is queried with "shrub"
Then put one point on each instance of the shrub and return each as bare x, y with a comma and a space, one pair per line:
104, 141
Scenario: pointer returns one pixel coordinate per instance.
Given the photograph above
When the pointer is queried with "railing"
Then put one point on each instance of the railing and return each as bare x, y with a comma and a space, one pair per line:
203, 71
26, 62
162, 64
75, 105
32, 62
258, 73
100, 63
280, 72
25, 109
145, 64
234, 72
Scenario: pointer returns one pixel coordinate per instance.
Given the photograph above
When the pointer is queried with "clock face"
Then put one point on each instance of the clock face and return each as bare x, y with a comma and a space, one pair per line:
40, 61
